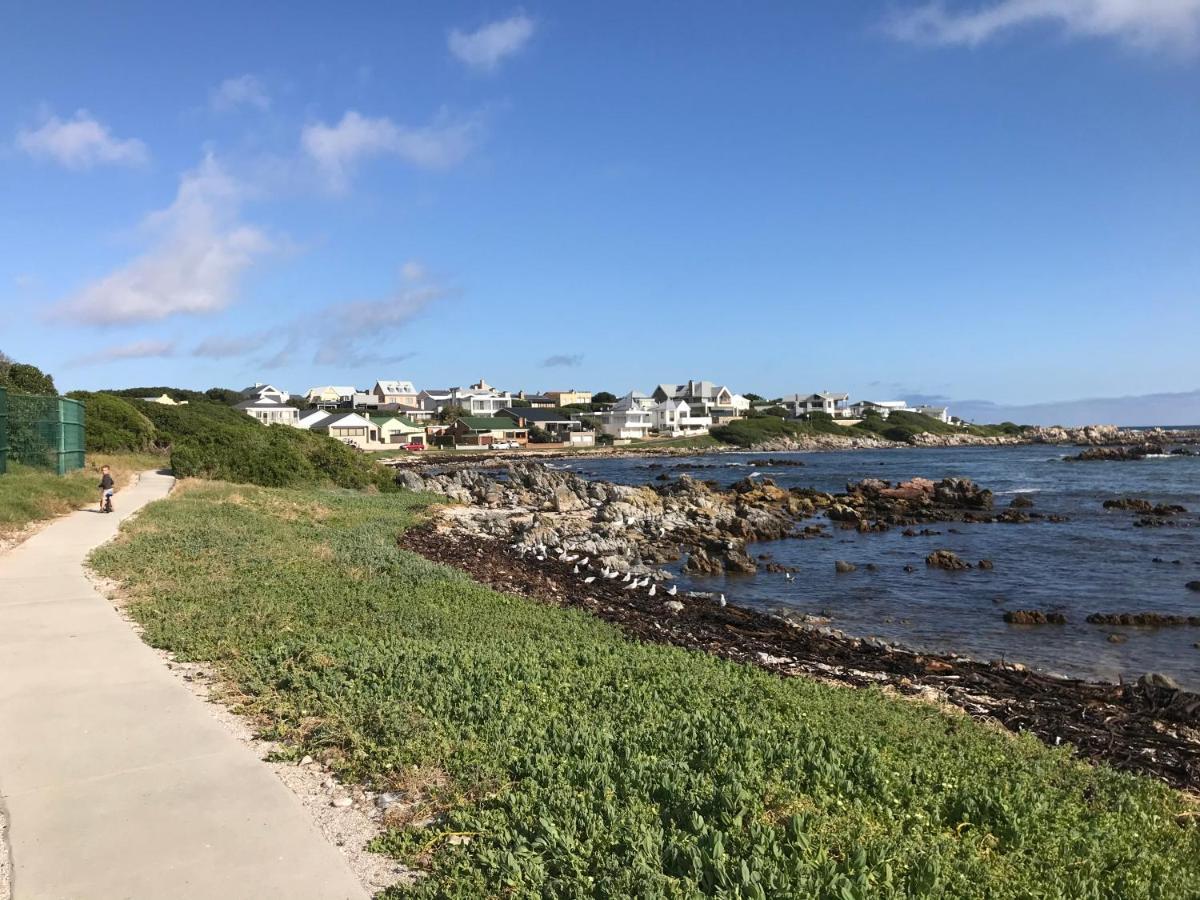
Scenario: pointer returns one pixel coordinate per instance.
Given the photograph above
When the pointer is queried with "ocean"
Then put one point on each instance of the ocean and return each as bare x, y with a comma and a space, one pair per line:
1097, 562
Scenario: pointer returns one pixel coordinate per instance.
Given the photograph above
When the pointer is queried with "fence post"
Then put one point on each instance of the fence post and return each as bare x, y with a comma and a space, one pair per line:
3, 431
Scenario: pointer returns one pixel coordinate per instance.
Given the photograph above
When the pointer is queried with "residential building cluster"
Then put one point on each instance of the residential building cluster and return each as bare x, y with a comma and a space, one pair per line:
394, 413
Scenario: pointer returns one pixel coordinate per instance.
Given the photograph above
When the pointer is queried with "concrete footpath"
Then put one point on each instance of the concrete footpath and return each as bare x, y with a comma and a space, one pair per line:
117, 782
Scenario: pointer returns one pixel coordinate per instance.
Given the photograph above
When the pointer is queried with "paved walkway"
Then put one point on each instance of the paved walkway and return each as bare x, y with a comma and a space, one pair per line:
117, 781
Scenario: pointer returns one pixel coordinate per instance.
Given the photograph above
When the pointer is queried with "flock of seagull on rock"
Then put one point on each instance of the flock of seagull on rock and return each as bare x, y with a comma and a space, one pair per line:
582, 567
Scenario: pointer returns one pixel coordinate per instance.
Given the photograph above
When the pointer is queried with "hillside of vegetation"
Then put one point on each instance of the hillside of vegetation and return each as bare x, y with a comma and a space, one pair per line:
899, 426
557, 758
212, 440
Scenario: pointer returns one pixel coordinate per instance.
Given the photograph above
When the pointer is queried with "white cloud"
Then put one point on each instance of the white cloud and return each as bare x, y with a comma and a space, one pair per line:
336, 148
412, 270
80, 143
245, 90
363, 323
1147, 24
200, 252
149, 349
485, 48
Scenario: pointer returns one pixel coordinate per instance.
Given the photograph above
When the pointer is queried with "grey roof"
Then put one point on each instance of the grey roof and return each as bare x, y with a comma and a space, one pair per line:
338, 417
263, 403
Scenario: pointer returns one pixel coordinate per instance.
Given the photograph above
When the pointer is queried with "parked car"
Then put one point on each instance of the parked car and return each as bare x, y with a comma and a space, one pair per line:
414, 447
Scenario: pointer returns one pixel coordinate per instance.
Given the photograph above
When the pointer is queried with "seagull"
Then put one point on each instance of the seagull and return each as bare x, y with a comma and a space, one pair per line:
572, 558
626, 578
585, 560
575, 571
789, 576
721, 600
672, 590
541, 558
613, 574
630, 586
652, 589
589, 579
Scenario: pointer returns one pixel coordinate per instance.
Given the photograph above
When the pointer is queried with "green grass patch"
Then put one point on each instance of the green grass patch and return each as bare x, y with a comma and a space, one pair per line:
587, 765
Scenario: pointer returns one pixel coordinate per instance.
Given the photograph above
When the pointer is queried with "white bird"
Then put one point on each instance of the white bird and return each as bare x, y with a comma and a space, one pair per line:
673, 590
626, 578
541, 558
613, 574
575, 571
630, 586
789, 576
653, 587
585, 560
589, 579
754, 474
572, 558
721, 600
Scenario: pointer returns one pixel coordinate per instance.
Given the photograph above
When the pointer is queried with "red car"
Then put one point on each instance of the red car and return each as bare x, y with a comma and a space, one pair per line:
414, 446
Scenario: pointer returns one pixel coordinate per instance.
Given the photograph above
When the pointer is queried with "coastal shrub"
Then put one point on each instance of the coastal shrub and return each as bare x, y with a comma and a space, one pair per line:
113, 425
752, 430
577, 763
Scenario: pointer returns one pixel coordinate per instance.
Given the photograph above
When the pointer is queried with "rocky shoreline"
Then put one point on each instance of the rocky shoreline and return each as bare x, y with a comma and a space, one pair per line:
553, 535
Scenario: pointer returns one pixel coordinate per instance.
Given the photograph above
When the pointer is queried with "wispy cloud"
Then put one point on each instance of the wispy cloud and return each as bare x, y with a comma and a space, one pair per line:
486, 47
200, 253
358, 328
336, 149
80, 143
1147, 24
218, 347
245, 90
568, 360
137, 350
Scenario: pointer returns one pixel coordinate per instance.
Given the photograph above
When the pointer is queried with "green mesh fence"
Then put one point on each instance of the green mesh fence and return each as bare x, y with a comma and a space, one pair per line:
46, 432
3, 431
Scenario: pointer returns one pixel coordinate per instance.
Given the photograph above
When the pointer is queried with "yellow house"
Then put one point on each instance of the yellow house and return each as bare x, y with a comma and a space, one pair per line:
566, 398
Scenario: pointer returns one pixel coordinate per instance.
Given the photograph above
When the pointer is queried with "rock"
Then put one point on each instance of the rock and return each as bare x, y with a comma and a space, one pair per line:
1193, 585
1130, 503
388, 798
842, 567
945, 559
1034, 617
700, 563
341, 802
736, 560
1158, 680
1143, 620
986, 564
1116, 638
1020, 502
674, 607
306, 761
1116, 454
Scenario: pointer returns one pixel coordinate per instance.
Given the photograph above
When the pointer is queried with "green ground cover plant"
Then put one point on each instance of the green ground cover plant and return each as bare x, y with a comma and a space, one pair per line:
582, 764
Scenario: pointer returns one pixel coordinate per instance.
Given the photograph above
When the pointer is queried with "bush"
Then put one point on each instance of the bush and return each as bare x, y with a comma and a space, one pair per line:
540, 436
113, 425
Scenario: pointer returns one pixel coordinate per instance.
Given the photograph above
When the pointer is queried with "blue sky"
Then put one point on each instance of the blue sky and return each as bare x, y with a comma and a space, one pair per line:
997, 199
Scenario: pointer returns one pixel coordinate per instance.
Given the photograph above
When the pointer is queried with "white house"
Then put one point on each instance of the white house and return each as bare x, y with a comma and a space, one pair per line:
262, 391
480, 399
348, 427
630, 417
270, 412
702, 396
883, 407
401, 392
675, 417
310, 417
831, 404
941, 413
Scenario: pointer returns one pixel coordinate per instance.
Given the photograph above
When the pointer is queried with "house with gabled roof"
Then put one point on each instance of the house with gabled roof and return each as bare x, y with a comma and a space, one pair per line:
349, 427
399, 430
486, 431
704, 397
270, 412
402, 392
